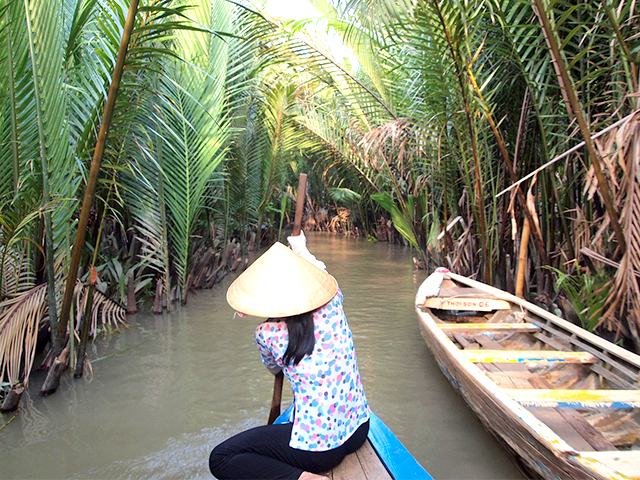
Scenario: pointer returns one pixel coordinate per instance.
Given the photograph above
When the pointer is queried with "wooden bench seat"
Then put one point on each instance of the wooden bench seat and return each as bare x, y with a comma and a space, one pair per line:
627, 462
488, 327
576, 398
569, 424
527, 356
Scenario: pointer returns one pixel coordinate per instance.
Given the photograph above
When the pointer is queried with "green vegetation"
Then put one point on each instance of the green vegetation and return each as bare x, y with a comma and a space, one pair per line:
418, 112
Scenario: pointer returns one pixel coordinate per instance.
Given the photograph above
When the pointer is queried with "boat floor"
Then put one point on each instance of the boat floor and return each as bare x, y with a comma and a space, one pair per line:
361, 465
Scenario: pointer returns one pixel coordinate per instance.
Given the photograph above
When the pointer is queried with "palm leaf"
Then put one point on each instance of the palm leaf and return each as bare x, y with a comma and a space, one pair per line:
180, 143
19, 322
22, 317
401, 223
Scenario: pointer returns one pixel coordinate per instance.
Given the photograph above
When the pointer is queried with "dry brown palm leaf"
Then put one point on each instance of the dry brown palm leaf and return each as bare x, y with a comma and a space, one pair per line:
105, 313
461, 257
625, 293
397, 142
21, 316
581, 229
17, 273
20, 320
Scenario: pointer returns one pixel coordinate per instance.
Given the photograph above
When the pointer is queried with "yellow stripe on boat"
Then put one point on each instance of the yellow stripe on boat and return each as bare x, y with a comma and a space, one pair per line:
527, 356
466, 303
516, 327
576, 398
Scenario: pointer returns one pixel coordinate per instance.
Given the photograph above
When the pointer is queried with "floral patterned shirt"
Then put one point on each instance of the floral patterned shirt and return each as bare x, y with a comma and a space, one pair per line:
329, 399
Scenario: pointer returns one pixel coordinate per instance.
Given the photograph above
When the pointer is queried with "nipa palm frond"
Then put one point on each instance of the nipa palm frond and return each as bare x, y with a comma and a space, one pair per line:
106, 314
19, 323
21, 319
624, 295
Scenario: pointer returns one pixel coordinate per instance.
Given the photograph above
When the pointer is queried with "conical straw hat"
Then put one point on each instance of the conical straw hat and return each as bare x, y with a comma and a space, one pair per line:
280, 283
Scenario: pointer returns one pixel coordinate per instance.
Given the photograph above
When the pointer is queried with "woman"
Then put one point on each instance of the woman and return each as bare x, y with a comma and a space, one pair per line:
308, 338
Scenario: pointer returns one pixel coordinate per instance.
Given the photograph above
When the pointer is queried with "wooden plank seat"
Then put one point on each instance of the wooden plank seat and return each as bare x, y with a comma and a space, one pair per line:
488, 327
364, 464
452, 290
527, 356
466, 302
576, 398
627, 462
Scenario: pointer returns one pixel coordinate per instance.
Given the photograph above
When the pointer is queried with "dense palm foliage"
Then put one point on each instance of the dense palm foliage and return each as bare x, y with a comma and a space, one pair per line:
416, 114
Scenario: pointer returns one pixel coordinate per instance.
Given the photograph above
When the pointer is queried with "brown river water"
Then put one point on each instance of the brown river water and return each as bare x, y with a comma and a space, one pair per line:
165, 391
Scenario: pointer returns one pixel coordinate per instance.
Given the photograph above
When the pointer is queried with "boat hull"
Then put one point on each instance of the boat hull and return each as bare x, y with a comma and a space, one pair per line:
539, 450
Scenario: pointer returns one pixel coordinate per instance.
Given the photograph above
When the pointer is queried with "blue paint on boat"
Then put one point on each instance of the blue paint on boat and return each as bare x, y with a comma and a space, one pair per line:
285, 417
395, 457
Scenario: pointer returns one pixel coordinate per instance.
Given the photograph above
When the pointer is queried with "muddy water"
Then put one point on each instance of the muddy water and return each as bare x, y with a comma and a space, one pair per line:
169, 388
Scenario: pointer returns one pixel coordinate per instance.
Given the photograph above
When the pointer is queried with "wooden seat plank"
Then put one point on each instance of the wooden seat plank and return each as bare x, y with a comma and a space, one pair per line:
527, 356
466, 303
489, 343
371, 464
489, 327
567, 423
517, 376
349, 469
364, 464
576, 398
626, 462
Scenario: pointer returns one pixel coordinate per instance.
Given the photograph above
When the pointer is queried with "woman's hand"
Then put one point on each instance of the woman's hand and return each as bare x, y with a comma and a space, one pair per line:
275, 370
299, 245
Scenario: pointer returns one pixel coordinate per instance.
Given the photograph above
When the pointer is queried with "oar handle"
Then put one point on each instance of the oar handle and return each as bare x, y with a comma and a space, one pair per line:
302, 192
276, 400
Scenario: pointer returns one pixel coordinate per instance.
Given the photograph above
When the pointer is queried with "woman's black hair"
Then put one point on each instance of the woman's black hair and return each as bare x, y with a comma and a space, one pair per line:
301, 338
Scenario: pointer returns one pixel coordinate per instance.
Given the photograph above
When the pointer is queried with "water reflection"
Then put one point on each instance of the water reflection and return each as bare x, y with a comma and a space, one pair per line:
168, 389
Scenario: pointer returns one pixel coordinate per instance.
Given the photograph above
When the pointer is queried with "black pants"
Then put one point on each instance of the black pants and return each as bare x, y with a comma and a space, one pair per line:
264, 452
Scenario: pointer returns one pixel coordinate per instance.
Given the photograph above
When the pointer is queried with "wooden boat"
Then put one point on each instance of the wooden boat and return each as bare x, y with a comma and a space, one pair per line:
565, 402
382, 457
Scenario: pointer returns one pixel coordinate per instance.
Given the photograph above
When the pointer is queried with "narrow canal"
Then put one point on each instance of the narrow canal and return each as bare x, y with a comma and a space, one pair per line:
171, 387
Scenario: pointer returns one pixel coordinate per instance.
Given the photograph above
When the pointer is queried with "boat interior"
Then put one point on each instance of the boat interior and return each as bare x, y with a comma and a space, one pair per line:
582, 390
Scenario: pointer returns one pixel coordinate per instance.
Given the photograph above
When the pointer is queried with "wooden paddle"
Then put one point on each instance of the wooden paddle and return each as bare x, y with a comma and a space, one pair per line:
297, 228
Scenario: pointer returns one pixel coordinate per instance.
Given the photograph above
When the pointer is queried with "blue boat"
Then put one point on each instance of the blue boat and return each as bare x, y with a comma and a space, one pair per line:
382, 457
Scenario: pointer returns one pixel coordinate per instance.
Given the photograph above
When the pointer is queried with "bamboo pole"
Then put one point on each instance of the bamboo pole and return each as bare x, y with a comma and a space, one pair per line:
522, 258
300, 200
89, 195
